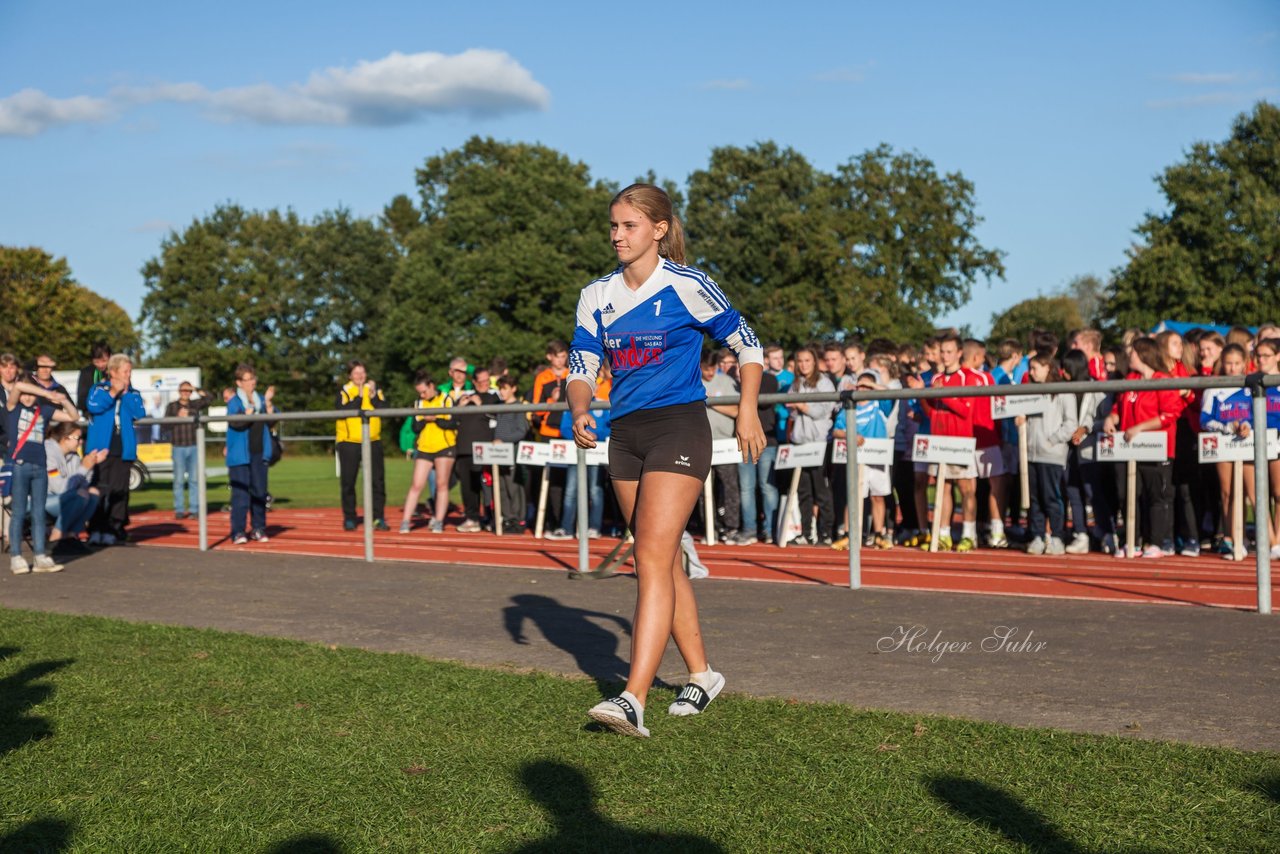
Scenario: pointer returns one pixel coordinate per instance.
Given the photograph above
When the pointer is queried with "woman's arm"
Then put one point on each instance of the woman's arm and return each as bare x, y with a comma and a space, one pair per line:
750, 435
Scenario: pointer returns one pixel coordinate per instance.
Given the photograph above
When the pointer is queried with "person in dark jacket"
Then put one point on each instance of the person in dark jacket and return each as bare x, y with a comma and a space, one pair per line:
471, 429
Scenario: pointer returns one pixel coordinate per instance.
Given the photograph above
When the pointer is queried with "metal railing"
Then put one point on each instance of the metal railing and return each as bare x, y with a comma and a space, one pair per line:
1256, 383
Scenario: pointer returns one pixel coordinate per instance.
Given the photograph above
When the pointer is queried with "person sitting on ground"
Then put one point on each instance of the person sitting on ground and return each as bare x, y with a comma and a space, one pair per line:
72, 499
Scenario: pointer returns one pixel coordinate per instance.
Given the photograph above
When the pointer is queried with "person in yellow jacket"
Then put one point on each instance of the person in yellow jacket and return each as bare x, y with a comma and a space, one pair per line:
434, 450
360, 392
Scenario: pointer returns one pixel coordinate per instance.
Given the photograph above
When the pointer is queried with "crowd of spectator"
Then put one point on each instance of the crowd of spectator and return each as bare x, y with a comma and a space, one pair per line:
80, 475
1075, 501
66, 463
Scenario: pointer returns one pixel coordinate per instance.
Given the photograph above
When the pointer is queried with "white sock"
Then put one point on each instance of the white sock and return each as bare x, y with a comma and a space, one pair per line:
970, 530
997, 527
702, 679
639, 705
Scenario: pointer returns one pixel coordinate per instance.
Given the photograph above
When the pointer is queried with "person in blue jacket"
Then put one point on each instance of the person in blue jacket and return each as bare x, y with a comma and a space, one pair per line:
113, 405
248, 453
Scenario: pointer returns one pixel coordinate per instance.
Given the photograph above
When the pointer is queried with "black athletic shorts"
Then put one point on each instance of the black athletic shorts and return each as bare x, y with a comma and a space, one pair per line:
672, 438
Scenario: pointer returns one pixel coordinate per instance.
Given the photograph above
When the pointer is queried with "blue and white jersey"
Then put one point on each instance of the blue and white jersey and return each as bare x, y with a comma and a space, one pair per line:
653, 336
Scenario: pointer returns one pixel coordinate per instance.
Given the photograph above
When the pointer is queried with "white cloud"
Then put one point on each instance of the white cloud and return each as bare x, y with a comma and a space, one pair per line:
30, 111
736, 84
1193, 78
397, 89
1212, 99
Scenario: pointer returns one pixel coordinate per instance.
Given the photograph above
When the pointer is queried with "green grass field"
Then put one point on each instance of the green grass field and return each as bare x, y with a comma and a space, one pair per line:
296, 481
124, 737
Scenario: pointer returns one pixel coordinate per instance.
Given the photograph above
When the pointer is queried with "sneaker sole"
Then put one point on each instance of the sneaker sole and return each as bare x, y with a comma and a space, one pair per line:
617, 724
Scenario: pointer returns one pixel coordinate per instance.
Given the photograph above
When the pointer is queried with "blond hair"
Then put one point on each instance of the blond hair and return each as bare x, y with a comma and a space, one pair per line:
655, 204
114, 363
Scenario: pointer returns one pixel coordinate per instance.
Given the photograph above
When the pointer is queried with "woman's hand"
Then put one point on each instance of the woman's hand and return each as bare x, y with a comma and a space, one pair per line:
750, 435
1078, 436
1109, 426
1242, 429
1131, 432
584, 425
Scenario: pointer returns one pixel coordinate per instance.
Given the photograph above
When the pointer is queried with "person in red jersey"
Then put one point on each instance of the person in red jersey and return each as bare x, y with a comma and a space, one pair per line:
989, 456
1138, 411
953, 416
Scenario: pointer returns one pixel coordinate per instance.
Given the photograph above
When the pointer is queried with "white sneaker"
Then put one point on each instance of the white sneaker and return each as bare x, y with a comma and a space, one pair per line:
593, 534
693, 566
470, 526
622, 714
1055, 547
701, 689
1275, 552
1035, 547
18, 565
558, 534
1079, 544
405, 527
44, 563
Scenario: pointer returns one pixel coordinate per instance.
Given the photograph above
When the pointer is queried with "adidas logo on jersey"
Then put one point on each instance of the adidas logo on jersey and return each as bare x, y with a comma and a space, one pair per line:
608, 309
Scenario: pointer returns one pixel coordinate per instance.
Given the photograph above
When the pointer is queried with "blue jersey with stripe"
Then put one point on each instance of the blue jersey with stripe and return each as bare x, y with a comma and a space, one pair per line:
652, 336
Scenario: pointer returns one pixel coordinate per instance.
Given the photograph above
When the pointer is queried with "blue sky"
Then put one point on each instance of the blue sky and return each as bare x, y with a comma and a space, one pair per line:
119, 122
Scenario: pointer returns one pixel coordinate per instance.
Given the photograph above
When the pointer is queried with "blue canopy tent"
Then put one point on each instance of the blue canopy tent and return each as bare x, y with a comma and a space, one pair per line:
1182, 327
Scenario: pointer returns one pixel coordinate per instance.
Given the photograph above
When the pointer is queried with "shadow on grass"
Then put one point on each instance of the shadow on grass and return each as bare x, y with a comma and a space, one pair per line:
1001, 812
1268, 787
39, 836
309, 843
18, 693
567, 796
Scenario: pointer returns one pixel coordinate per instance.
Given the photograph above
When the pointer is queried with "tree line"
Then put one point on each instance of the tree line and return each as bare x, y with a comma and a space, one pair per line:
488, 259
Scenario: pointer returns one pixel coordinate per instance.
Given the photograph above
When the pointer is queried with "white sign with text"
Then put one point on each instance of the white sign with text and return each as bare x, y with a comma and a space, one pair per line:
801, 456
1222, 448
952, 450
724, 452
872, 452
1013, 405
493, 453
1149, 447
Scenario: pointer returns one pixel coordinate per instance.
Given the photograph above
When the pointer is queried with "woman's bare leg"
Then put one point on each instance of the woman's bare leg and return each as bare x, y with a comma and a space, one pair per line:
658, 506
444, 470
419, 482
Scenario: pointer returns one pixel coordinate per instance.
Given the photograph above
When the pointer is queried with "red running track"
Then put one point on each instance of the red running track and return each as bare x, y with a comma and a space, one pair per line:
1207, 580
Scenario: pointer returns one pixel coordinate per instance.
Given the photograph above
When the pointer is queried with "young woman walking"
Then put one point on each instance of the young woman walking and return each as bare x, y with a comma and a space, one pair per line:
648, 318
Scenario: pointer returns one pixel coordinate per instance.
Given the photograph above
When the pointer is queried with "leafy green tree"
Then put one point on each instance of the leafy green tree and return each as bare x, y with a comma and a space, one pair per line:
46, 310
910, 235
1089, 293
761, 223
879, 249
294, 299
511, 233
1214, 255
1059, 314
